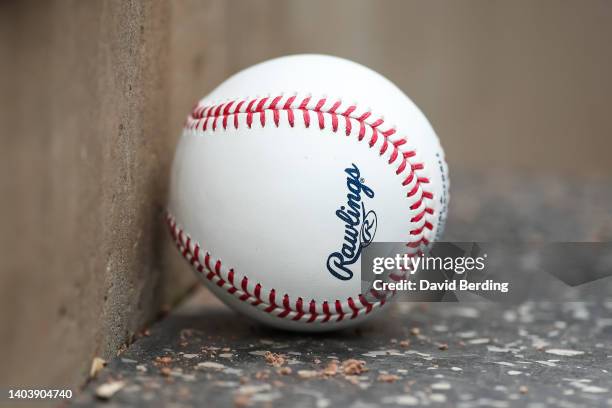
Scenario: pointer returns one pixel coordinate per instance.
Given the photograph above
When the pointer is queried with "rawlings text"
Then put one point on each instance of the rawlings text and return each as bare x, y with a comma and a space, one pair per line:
359, 228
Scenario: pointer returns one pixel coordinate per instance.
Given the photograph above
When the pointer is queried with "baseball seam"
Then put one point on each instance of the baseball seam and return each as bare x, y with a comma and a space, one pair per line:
326, 113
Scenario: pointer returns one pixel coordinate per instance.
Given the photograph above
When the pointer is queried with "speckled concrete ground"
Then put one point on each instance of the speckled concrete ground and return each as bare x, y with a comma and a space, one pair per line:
534, 354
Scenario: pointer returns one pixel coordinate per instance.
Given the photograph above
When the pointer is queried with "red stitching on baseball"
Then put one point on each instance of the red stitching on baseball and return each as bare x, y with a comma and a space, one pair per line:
199, 120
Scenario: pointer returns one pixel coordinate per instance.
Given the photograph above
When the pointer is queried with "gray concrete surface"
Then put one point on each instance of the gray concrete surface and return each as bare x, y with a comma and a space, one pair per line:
469, 354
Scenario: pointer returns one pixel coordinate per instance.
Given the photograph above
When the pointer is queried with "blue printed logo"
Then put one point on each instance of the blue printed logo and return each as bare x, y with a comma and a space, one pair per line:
359, 229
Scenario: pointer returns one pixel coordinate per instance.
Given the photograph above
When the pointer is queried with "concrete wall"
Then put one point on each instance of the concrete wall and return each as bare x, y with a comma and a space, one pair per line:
93, 97
93, 94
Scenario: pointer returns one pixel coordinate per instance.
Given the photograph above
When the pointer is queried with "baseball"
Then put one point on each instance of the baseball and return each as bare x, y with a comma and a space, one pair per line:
286, 171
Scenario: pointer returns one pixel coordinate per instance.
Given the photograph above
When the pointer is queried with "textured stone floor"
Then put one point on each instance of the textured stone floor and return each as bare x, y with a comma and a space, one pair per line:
468, 354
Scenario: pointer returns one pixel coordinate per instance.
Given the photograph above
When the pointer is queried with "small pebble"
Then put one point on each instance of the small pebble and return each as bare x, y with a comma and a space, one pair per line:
307, 374
96, 366
563, 352
210, 364
106, 391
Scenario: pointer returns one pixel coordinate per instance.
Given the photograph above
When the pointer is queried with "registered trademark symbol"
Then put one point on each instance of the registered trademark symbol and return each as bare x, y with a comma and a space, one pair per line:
362, 180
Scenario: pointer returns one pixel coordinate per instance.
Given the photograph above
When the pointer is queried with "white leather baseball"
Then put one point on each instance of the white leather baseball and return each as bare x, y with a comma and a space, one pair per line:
286, 170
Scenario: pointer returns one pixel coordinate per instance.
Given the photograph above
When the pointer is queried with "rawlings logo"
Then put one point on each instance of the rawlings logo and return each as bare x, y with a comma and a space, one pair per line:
359, 229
